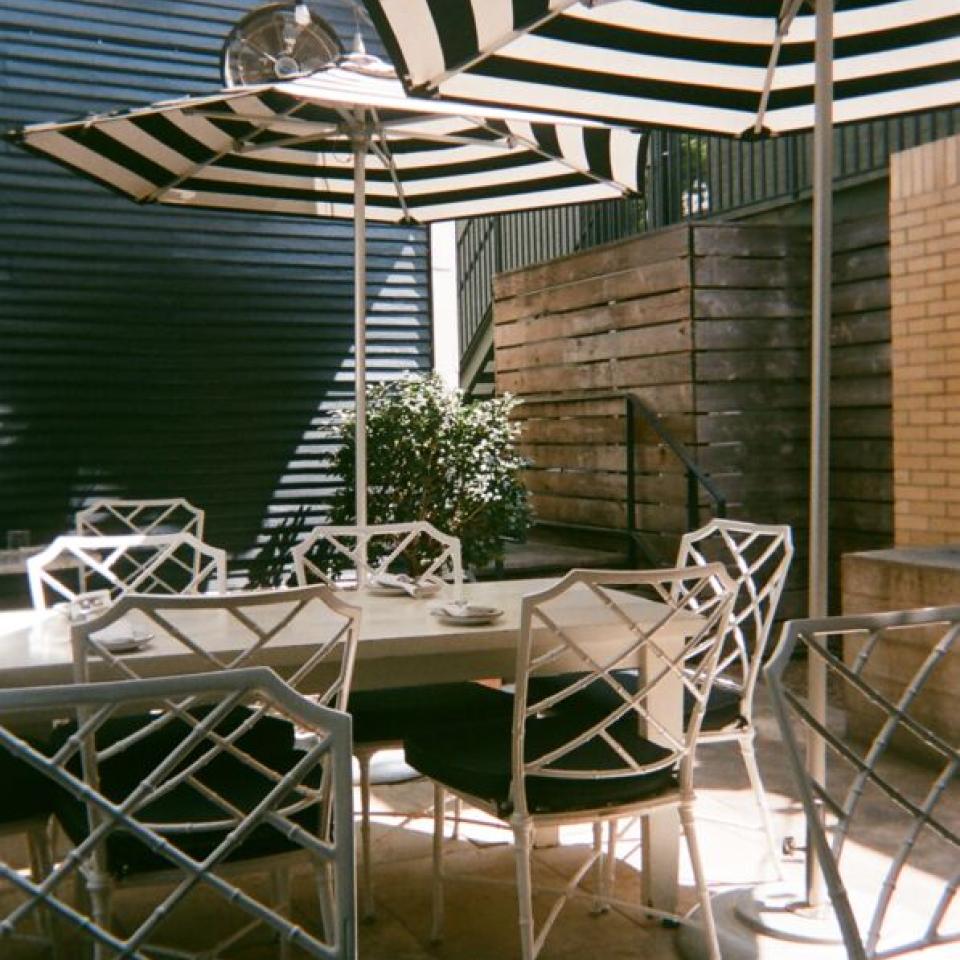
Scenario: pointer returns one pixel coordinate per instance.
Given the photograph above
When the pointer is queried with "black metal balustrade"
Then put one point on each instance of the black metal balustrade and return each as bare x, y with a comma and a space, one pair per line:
689, 176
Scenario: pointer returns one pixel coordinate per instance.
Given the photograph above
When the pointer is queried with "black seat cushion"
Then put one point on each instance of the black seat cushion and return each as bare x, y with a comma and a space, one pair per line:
226, 775
598, 698
381, 716
475, 758
24, 791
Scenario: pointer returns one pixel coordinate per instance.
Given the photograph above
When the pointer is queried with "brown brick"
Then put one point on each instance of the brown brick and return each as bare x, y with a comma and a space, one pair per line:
932, 228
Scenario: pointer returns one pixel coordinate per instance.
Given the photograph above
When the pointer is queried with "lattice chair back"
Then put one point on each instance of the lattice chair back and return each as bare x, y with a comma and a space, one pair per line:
757, 557
135, 563
307, 633
876, 763
648, 619
350, 556
116, 517
184, 767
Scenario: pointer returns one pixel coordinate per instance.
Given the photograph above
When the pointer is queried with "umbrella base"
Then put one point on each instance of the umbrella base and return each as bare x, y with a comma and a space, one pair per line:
763, 923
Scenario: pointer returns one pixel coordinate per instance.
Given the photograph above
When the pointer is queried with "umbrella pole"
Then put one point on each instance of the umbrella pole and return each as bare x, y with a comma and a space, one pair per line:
819, 561
360, 334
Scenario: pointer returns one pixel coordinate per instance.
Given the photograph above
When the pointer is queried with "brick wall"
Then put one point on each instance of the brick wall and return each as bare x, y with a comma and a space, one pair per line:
925, 327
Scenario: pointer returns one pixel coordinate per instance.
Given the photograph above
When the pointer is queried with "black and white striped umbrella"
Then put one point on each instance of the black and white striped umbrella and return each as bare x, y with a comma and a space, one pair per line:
344, 142
288, 148
727, 66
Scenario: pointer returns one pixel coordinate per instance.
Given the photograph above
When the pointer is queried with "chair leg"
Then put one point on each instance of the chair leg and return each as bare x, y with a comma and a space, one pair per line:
600, 904
706, 907
760, 796
457, 814
523, 850
280, 881
439, 799
323, 877
610, 863
366, 876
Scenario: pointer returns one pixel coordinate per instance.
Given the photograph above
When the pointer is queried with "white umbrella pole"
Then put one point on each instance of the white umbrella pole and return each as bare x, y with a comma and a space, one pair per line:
820, 395
359, 328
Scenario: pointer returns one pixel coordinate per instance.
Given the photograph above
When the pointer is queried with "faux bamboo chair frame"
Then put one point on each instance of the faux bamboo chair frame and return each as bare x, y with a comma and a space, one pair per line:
134, 563
757, 557
544, 640
179, 617
352, 543
109, 517
847, 773
97, 704
176, 617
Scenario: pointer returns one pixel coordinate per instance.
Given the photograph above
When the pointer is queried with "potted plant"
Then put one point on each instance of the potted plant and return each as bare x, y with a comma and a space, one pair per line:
432, 456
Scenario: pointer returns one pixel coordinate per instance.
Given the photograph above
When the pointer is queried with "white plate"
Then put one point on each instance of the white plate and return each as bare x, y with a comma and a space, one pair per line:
130, 642
475, 614
428, 588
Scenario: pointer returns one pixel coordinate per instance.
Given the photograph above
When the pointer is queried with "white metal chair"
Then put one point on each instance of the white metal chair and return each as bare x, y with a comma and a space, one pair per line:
179, 810
848, 752
131, 563
309, 633
553, 766
113, 517
350, 557
343, 556
757, 557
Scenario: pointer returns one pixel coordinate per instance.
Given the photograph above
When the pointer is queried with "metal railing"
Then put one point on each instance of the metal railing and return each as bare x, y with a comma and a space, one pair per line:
689, 176
635, 410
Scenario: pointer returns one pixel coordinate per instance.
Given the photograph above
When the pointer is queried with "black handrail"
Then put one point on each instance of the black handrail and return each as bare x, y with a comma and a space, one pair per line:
696, 478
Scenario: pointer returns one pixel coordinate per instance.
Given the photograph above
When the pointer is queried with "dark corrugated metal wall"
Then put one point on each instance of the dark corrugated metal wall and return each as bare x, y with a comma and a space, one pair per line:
157, 352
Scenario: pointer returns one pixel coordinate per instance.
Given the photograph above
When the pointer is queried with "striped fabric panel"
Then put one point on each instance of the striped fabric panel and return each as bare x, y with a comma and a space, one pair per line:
286, 148
692, 64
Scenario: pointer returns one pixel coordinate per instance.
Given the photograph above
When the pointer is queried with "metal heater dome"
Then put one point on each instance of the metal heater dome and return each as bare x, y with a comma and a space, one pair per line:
277, 41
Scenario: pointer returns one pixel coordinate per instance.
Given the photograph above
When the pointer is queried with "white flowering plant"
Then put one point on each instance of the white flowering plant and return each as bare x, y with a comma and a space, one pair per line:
432, 456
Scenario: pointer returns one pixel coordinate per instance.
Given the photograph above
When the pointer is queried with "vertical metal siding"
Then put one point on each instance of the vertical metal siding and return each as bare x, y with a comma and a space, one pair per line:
151, 351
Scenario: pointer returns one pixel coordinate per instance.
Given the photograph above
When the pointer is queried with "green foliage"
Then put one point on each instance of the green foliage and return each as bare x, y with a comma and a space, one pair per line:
430, 456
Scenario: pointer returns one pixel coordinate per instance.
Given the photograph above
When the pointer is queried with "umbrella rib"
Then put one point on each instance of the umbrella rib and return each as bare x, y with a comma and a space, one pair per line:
788, 12
378, 143
556, 8
259, 124
557, 158
314, 126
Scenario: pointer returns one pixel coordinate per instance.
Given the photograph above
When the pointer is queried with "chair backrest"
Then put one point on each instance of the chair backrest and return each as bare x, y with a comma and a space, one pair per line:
348, 556
132, 563
115, 517
307, 633
757, 557
585, 630
877, 766
187, 762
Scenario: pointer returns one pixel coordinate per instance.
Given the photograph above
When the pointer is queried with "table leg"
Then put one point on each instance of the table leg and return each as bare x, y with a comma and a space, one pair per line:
661, 830
661, 859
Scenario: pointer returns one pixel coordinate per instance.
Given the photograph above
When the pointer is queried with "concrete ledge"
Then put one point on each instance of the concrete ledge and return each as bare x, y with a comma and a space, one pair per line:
902, 579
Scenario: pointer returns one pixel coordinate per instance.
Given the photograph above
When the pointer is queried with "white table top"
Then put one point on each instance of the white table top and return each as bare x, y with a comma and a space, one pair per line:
401, 641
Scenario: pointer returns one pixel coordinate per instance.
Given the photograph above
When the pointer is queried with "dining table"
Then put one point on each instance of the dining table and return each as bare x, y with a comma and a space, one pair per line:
402, 642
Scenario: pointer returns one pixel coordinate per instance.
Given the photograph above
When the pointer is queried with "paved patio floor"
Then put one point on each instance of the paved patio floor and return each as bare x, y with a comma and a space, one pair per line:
481, 916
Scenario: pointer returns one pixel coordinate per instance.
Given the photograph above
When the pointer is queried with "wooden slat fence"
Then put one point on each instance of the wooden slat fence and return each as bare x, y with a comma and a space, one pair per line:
709, 325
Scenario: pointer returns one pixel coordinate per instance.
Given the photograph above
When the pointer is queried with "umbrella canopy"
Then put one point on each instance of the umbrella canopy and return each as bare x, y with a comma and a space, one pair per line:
344, 142
288, 148
726, 66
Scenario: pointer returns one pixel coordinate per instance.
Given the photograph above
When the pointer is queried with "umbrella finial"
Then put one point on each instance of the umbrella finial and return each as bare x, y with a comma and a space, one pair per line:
362, 62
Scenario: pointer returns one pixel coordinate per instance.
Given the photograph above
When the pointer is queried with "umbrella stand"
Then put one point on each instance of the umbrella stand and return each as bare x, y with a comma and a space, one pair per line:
819, 559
